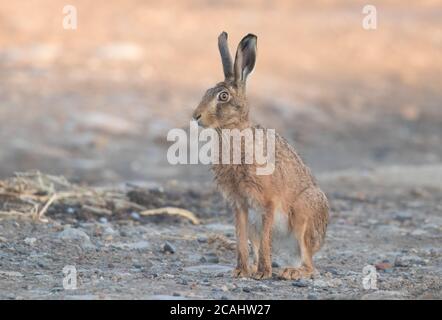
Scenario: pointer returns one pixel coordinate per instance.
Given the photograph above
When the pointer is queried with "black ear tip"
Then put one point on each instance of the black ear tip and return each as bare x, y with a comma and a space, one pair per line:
249, 39
223, 35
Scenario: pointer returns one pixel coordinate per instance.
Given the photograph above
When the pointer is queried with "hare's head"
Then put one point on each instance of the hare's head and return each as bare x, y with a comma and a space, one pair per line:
225, 105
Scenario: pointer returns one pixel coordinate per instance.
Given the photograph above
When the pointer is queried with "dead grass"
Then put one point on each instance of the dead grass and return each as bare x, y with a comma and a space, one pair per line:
31, 194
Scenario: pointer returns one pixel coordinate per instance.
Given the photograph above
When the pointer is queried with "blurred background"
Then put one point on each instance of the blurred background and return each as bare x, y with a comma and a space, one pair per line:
95, 104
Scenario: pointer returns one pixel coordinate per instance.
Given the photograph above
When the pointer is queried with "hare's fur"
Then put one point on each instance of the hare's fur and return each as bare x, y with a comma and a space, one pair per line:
285, 210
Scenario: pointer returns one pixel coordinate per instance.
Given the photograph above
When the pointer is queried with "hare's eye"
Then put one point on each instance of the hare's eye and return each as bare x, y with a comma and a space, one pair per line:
223, 96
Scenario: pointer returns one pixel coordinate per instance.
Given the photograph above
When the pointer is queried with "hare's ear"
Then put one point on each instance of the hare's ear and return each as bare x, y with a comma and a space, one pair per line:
226, 58
245, 58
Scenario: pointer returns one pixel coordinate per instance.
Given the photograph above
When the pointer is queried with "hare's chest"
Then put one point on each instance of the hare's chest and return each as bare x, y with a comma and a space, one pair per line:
236, 183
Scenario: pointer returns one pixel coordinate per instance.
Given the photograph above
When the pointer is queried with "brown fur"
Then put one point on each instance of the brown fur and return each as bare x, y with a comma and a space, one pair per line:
290, 189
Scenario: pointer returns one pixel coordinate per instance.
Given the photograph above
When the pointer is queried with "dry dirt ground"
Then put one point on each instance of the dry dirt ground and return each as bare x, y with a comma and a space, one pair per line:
389, 219
363, 108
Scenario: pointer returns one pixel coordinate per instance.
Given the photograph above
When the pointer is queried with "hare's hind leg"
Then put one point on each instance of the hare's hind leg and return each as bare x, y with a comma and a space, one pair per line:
306, 269
308, 222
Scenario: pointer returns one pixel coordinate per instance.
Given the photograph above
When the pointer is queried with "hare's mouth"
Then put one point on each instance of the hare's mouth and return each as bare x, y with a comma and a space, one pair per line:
198, 120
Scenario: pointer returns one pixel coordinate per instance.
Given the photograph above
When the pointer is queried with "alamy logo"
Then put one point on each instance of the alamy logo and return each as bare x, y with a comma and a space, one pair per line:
224, 146
70, 278
70, 17
370, 20
369, 281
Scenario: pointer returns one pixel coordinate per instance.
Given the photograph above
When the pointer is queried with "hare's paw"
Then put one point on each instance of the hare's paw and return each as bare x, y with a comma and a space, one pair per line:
240, 273
295, 273
261, 275
253, 268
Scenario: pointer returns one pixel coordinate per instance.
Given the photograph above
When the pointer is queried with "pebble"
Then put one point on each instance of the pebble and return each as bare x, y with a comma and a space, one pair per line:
168, 247
402, 216
383, 266
407, 261
103, 220
210, 258
384, 295
418, 232
332, 270
140, 245
135, 215
209, 269
73, 234
202, 239
300, 283
30, 241
11, 273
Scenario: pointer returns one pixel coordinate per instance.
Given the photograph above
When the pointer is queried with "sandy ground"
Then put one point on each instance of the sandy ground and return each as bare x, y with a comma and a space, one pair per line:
363, 108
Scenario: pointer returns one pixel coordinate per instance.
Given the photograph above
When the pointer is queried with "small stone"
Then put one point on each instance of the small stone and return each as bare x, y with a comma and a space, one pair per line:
275, 264
407, 261
202, 239
300, 283
109, 231
246, 289
384, 295
140, 245
209, 269
73, 234
383, 266
332, 270
402, 216
103, 220
124, 234
312, 297
11, 273
418, 232
168, 247
183, 282
176, 294
30, 241
135, 215
210, 258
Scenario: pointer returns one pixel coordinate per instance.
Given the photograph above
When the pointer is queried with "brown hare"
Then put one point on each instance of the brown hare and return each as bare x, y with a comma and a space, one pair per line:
284, 210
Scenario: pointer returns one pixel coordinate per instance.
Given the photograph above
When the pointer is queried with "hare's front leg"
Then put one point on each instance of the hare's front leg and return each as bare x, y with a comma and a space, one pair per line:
265, 248
242, 248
